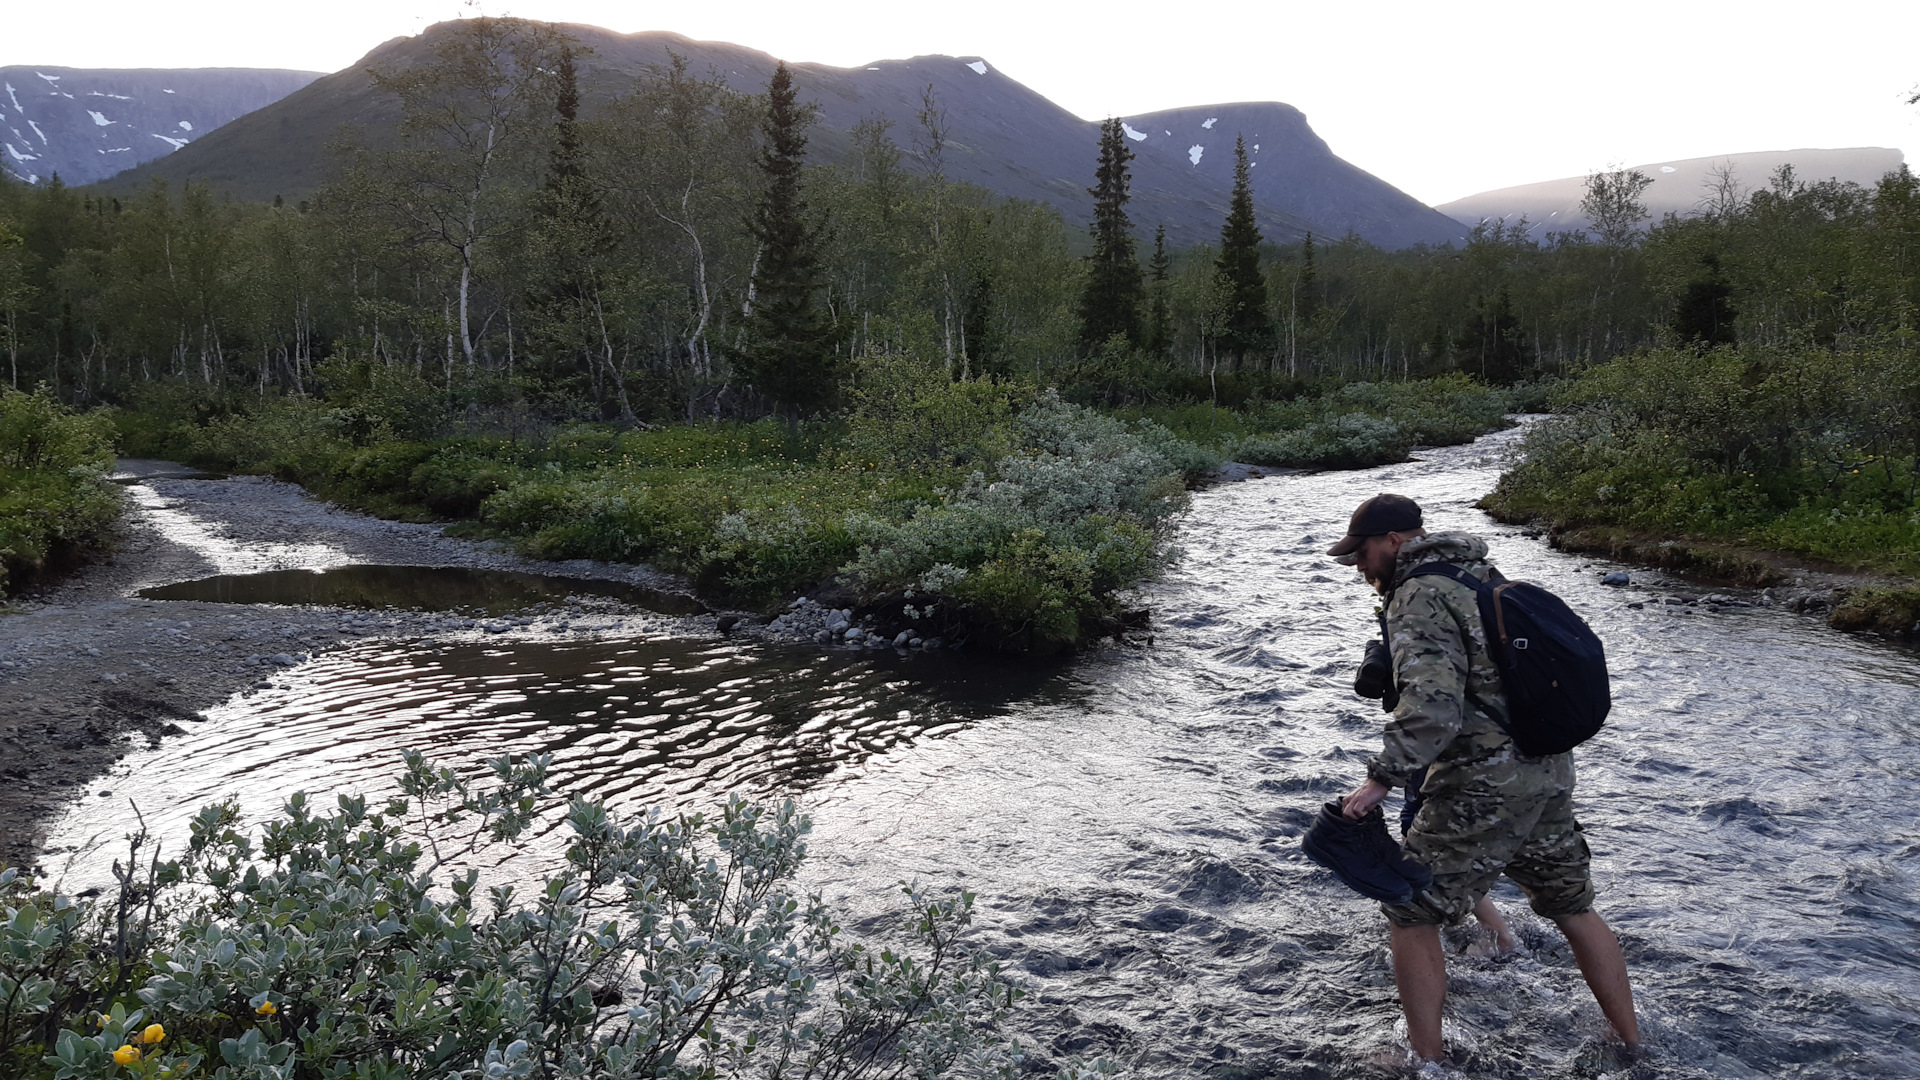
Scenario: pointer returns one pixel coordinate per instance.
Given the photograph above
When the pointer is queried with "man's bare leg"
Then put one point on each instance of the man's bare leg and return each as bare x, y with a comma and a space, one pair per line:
1489, 918
1597, 952
1420, 971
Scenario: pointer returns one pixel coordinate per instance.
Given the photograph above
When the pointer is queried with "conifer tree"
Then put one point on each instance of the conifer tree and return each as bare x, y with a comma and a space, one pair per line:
1159, 296
787, 349
1245, 330
570, 242
1111, 303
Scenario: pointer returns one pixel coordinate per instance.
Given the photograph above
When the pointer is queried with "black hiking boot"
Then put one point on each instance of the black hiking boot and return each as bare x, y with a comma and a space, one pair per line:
1361, 854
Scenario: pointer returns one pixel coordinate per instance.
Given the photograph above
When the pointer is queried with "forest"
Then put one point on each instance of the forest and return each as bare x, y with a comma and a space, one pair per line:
657, 329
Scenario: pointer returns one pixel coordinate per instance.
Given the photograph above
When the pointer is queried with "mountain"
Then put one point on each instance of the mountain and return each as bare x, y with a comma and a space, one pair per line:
87, 124
1002, 136
1678, 187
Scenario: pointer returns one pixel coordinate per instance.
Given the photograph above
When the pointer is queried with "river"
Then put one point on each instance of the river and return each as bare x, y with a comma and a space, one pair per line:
1130, 821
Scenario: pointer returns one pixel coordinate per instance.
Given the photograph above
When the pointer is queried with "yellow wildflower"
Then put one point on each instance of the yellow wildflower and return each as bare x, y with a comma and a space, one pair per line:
126, 1055
153, 1034
267, 1008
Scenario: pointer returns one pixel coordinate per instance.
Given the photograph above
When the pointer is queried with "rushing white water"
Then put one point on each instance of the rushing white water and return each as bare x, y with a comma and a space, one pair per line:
1130, 821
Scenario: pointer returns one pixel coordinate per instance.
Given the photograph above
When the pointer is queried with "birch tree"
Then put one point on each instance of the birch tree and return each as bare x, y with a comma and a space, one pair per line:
476, 112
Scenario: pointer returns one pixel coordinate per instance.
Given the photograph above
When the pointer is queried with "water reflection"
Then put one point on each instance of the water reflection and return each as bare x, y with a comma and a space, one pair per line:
638, 723
419, 588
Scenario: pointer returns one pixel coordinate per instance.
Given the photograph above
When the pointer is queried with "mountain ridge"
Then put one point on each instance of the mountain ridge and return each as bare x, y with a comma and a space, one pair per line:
1679, 185
88, 124
1003, 136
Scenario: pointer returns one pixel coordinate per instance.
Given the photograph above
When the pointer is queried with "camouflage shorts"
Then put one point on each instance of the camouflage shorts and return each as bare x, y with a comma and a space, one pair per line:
1510, 815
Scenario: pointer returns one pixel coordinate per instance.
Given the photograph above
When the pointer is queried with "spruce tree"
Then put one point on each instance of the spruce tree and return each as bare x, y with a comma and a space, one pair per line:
1245, 329
565, 252
1111, 304
1159, 296
1705, 314
787, 348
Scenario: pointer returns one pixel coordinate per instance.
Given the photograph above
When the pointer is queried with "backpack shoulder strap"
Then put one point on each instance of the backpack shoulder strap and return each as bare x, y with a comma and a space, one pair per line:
1487, 603
1449, 571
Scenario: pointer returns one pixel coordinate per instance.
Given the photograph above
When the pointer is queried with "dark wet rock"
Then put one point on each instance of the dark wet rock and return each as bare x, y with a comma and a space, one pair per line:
726, 623
1618, 577
1163, 918
1291, 820
1217, 881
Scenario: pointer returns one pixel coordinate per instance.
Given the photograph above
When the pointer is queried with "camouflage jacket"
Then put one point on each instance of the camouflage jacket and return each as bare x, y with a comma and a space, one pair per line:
1440, 656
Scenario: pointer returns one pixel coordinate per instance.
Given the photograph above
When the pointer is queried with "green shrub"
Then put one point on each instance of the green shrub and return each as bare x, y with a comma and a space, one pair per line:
1351, 441
1032, 559
909, 413
347, 943
55, 503
1803, 450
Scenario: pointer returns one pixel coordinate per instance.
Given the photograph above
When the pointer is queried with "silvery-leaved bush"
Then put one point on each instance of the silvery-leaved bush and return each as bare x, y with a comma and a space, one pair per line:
345, 942
1080, 509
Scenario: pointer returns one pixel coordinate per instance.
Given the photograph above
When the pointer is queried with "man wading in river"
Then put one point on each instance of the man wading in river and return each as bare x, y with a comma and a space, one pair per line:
1488, 809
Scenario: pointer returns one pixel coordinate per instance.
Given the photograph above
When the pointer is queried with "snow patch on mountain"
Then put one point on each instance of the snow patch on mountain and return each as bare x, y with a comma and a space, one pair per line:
52, 80
169, 140
1136, 136
1210, 121
37, 131
1194, 152
16, 101
98, 120
979, 67
185, 126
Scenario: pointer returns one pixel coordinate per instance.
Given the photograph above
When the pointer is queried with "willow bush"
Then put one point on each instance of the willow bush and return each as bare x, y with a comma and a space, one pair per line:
348, 943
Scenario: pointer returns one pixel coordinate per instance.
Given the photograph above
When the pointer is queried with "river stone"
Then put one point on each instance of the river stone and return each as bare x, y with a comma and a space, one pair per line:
854, 633
282, 659
901, 639
1618, 577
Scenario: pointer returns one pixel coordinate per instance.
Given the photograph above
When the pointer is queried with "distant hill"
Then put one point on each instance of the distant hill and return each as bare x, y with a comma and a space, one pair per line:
1678, 186
87, 124
1003, 136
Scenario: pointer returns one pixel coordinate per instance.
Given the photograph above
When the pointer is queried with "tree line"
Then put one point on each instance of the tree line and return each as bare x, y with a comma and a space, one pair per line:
674, 253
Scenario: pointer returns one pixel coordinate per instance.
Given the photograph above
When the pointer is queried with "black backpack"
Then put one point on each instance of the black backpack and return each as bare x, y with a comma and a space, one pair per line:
1552, 666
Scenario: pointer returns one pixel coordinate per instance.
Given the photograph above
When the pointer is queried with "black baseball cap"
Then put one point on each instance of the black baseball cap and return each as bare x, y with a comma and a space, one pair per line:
1377, 516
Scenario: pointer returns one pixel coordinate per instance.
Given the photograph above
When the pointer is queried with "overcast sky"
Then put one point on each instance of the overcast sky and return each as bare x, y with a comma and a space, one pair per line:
1442, 100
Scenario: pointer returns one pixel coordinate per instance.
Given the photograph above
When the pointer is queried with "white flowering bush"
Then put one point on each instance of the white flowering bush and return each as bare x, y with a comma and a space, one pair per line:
1034, 555
345, 944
